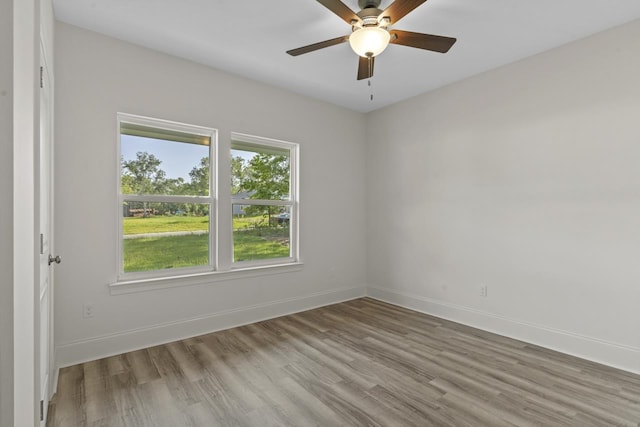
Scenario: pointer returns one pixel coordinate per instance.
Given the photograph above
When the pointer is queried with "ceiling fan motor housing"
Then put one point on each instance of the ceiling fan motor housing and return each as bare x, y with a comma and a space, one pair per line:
369, 16
365, 4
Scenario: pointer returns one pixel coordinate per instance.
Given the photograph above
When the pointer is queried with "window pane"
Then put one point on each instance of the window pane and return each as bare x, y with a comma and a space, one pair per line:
160, 236
260, 232
260, 172
163, 166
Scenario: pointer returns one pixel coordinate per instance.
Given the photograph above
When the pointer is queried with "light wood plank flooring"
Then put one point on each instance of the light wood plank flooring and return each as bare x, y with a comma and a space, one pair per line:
358, 363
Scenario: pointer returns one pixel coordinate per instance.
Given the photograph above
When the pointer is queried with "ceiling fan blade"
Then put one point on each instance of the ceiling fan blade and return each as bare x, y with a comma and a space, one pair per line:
365, 67
316, 46
340, 9
422, 41
399, 9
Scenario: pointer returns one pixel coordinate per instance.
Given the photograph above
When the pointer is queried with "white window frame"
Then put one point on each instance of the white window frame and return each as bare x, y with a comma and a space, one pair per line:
240, 141
211, 199
219, 243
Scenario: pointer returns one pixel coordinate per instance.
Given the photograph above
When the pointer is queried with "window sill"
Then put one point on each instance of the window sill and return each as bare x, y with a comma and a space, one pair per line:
155, 283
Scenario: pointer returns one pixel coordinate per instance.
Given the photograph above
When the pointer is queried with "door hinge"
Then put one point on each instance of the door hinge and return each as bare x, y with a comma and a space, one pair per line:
41, 77
41, 244
42, 410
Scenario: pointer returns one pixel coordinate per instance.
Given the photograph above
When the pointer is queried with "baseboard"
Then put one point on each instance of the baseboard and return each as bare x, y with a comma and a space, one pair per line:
72, 353
600, 351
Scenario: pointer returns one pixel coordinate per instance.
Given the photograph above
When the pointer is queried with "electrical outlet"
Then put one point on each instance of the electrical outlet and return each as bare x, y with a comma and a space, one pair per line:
483, 291
87, 310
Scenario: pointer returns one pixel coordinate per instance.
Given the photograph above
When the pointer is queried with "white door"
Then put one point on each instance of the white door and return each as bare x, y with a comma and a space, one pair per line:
45, 332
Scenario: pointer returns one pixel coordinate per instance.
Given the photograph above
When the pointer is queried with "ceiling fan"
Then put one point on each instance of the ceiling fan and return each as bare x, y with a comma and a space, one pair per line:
371, 35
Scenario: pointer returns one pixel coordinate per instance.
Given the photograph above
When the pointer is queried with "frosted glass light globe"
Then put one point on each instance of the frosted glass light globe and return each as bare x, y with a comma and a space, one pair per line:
369, 41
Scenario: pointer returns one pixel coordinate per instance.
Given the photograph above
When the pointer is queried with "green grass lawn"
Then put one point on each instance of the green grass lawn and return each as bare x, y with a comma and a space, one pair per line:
248, 246
240, 222
162, 224
158, 253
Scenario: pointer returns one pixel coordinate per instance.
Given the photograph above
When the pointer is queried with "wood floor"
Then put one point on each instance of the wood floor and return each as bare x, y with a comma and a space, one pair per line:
359, 363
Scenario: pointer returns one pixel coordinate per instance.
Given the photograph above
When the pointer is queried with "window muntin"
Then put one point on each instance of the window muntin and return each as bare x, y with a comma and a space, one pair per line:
264, 200
167, 204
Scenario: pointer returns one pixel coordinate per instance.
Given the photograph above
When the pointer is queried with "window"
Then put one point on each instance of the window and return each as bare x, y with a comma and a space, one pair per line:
168, 206
166, 197
264, 200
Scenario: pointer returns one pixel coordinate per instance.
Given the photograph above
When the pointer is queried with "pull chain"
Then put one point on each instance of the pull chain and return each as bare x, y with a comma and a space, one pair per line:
370, 90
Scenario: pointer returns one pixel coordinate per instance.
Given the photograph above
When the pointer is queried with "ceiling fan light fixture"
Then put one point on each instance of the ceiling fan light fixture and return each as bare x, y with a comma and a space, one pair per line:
369, 41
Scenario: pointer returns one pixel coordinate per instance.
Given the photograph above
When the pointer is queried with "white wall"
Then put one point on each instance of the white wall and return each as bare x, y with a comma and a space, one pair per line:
525, 179
6, 214
96, 77
19, 122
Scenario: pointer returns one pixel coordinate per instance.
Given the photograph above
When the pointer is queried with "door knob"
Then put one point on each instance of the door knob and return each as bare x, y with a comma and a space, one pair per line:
55, 259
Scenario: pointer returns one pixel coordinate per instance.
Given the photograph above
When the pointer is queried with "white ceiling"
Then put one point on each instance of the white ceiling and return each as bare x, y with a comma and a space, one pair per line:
249, 38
